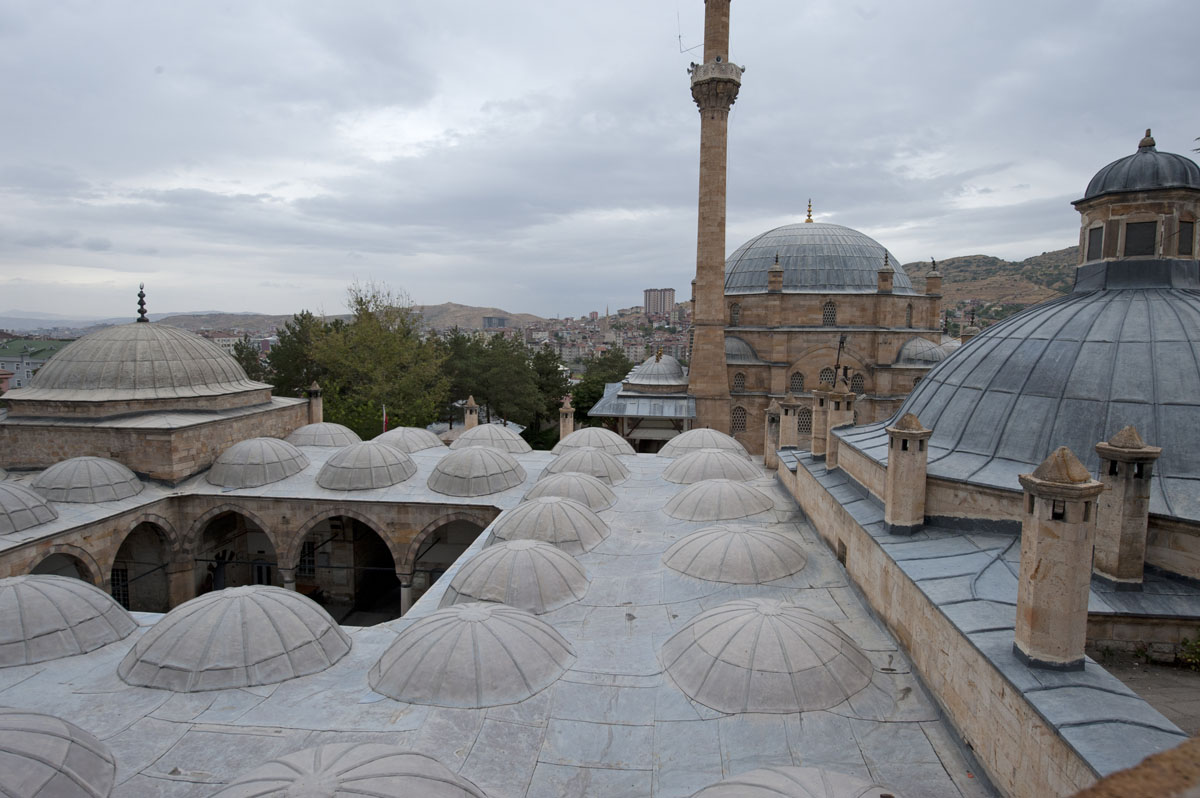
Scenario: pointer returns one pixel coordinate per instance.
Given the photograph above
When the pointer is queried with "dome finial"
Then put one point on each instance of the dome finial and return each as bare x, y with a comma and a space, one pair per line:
658, 355
809, 219
142, 302
1148, 141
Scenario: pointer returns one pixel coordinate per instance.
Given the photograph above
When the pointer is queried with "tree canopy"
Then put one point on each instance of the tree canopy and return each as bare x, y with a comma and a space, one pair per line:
250, 359
612, 366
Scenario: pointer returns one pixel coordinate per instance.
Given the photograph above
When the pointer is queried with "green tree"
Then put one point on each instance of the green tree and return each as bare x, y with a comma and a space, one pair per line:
380, 358
612, 366
464, 357
250, 359
508, 386
292, 361
552, 383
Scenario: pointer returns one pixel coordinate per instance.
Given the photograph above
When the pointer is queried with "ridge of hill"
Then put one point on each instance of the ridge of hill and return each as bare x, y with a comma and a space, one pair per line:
448, 314
467, 317
991, 280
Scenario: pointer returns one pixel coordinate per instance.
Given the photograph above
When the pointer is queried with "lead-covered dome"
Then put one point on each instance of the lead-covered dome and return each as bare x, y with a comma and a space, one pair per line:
528, 574
496, 436
352, 770
410, 439
588, 460
366, 465
658, 371
475, 471
472, 656
42, 756
564, 522
701, 464
762, 655
598, 438
717, 500
88, 480
701, 438
138, 361
323, 433
1070, 372
920, 352
1145, 170
22, 508
816, 258
737, 555
256, 461
583, 488
280, 635
45, 617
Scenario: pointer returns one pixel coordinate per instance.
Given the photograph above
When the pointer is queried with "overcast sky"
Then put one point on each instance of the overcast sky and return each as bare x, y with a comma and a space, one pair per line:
542, 156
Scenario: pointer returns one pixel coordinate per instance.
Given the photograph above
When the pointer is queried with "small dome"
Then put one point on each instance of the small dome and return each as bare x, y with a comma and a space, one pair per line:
90, 480
920, 352
587, 460
527, 574
702, 438
1145, 170
710, 464
323, 434
476, 471
352, 770
137, 361
717, 500
793, 782
22, 508
495, 436
816, 258
595, 437
366, 465
737, 555
657, 371
762, 655
42, 756
566, 523
281, 635
256, 461
583, 488
410, 439
45, 617
486, 655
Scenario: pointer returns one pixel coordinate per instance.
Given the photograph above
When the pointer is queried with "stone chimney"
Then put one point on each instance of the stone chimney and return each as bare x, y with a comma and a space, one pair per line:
566, 418
820, 418
470, 414
1056, 553
1123, 509
933, 281
775, 277
886, 275
316, 405
904, 495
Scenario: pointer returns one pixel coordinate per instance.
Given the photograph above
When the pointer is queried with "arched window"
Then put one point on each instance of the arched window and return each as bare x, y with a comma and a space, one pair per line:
739, 382
735, 315
796, 382
908, 316
829, 314
804, 421
828, 375
916, 381
858, 384
737, 420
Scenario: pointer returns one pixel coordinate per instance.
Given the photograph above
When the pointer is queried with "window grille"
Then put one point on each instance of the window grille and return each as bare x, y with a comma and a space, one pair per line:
858, 384
829, 315
804, 421
735, 314
739, 382
908, 316
308, 559
120, 585
738, 420
796, 382
828, 375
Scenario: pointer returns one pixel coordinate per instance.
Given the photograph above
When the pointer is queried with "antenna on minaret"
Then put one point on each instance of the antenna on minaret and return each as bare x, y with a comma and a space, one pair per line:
142, 302
679, 31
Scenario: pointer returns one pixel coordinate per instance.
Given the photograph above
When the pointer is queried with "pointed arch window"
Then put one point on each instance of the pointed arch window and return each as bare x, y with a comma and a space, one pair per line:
908, 316
828, 375
739, 382
737, 420
858, 383
735, 315
804, 421
796, 382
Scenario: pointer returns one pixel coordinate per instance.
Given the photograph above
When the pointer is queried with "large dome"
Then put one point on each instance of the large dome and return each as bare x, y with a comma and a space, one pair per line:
134, 362
816, 258
1145, 170
1070, 372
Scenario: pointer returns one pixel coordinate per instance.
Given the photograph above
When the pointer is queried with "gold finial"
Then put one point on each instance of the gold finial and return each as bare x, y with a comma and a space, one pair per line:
658, 355
809, 219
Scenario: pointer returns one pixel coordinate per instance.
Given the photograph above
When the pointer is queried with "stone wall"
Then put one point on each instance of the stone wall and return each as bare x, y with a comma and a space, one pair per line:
38, 408
1156, 638
1173, 546
168, 455
1022, 753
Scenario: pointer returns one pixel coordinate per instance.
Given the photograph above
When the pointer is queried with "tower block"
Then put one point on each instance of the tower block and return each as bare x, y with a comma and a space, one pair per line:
715, 85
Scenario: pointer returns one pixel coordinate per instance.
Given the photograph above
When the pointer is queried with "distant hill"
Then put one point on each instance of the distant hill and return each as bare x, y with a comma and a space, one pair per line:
1002, 282
451, 314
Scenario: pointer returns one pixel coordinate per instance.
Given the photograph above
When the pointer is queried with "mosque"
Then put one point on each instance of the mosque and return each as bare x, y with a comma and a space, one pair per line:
209, 591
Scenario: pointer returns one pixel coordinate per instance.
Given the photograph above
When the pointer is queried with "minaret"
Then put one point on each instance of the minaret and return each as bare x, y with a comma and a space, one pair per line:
715, 86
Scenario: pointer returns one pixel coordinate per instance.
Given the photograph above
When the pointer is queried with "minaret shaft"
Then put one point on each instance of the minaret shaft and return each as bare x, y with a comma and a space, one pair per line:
715, 86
